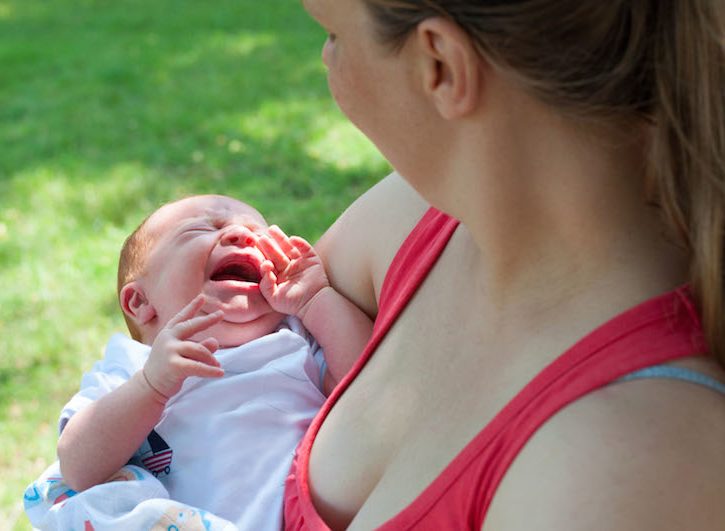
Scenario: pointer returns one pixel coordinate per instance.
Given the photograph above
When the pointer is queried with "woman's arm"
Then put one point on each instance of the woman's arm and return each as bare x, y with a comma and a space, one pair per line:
359, 246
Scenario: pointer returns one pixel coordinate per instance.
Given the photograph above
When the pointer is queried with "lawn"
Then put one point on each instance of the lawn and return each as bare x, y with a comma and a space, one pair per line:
110, 108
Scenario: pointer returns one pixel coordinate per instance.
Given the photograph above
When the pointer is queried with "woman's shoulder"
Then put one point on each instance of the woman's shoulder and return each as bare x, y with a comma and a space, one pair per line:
358, 248
646, 454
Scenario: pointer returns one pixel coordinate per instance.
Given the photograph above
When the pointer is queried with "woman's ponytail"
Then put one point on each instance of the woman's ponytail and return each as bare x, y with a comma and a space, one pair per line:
689, 145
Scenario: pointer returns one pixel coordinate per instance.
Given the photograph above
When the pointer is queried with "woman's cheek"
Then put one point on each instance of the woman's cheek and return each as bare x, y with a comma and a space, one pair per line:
340, 95
340, 91
336, 86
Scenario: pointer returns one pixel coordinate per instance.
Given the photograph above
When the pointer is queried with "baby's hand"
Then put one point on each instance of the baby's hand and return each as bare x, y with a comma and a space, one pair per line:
174, 356
292, 273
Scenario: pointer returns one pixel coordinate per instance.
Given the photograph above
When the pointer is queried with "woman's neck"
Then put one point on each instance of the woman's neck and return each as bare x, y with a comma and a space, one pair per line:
556, 208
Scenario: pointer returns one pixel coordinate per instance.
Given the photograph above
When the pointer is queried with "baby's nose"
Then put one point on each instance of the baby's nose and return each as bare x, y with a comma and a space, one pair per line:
239, 236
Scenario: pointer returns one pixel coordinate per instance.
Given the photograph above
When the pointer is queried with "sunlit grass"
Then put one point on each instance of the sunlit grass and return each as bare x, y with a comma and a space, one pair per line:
107, 110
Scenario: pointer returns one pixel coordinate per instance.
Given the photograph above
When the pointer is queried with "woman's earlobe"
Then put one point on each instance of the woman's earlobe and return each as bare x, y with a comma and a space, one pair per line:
135, 304
452, 67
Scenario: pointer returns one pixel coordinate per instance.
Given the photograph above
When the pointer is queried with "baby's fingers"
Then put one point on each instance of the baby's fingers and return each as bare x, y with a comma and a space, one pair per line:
283, 241
303, 246
188, 311
198, 353
268, 281
211, 344
188, 328
191, 367
273, 252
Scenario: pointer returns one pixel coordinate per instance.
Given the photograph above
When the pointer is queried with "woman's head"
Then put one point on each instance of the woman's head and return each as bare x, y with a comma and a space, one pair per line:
652, 65
577, 55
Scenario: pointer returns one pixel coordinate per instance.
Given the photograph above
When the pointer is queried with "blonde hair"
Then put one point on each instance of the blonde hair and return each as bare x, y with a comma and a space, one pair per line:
131, 265
658, 63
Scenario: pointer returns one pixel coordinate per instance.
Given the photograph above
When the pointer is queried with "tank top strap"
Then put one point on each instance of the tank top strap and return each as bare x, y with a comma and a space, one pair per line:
411, 264
415, 258
656, 331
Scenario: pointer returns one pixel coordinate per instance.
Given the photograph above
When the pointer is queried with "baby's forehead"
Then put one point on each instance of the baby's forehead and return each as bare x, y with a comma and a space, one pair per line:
209, 208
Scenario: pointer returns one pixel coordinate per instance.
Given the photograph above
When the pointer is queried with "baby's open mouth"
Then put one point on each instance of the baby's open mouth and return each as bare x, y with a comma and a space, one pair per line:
237, 269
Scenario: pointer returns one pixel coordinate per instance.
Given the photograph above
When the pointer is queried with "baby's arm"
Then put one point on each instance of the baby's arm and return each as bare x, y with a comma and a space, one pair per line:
294, 282
341, 328
101, 438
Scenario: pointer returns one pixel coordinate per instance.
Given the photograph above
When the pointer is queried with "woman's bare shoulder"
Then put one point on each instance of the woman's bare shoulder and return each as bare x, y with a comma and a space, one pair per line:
635, 456
359, 246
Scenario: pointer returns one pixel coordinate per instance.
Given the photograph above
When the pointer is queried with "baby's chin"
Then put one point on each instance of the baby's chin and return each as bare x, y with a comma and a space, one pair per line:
230, 334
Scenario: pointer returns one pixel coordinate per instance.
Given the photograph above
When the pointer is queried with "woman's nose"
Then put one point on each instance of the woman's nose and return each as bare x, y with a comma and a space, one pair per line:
327, 52
238, 236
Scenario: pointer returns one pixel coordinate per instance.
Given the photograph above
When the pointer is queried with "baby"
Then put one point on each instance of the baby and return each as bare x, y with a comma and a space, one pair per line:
235, 313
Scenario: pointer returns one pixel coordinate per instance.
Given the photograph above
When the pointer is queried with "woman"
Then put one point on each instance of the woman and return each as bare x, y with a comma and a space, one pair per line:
581, 145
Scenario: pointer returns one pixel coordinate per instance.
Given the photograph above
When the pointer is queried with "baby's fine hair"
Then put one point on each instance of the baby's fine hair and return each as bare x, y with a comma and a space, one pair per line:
131, 264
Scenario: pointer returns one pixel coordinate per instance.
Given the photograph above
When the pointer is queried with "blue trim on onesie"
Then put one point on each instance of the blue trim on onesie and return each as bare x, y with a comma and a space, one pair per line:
676, 373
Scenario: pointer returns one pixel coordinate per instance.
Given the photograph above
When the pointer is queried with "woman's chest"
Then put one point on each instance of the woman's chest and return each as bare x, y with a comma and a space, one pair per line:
415, 405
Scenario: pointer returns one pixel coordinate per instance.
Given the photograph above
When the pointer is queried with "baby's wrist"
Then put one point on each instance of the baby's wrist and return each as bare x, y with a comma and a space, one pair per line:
315, 299
149, 389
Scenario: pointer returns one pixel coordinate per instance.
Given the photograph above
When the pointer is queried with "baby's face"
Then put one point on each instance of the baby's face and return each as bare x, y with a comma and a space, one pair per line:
206, 244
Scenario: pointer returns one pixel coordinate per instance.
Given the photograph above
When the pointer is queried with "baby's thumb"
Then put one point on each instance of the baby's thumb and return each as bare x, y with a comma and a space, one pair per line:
268, 280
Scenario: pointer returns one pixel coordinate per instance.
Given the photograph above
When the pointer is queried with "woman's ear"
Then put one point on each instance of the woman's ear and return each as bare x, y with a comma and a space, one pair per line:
135, 304
453, 67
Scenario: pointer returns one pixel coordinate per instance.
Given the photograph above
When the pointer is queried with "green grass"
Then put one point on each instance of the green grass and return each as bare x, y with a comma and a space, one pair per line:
110, 108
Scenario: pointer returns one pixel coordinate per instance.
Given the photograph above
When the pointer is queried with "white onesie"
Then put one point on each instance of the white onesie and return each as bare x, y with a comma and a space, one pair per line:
223, 445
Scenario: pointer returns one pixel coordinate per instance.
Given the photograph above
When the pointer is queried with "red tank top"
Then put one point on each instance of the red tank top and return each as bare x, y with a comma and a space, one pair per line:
659, 330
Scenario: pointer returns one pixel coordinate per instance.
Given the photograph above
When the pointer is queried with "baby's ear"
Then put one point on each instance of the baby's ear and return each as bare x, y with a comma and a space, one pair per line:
135, 304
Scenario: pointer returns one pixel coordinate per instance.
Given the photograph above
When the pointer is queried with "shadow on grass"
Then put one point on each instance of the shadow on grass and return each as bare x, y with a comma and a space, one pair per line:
191, 96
